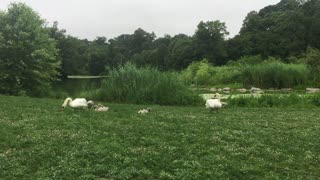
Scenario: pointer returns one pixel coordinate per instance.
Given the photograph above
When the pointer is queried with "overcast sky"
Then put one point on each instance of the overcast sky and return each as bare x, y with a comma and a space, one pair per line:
110, 18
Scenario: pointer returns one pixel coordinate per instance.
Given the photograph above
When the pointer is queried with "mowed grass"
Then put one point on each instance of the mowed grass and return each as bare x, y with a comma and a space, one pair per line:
39, 141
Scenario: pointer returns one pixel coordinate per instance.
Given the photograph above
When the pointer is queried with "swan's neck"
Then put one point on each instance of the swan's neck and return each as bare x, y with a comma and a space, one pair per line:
66, 101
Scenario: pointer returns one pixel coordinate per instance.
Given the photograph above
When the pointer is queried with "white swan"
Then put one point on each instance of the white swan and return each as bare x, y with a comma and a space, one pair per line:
215, 103
76, 103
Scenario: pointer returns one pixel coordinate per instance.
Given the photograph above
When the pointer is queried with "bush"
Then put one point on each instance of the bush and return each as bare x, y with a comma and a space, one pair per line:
225, 75
189, 75
203, 74
130, 84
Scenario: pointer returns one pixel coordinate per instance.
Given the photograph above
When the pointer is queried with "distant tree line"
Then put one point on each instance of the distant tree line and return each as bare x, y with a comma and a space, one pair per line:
33, 55
283, 31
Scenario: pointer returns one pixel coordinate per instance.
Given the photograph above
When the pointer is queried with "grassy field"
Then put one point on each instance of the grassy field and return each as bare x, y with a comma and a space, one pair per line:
37, 140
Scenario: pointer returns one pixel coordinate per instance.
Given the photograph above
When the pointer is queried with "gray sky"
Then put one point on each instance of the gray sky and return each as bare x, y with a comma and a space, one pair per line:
110, 18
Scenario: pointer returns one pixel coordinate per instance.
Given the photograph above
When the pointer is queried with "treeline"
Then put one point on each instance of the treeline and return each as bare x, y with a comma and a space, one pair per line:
33, 55
283, 31
142, 48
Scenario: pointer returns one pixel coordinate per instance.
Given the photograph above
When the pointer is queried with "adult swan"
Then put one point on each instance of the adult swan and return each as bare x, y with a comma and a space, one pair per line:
76, 103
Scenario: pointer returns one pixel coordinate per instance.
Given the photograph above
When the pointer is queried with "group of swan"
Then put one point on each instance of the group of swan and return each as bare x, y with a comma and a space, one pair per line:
78, 103
82, 103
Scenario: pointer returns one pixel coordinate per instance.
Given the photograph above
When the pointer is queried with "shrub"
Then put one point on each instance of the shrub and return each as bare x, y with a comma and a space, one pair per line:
130, 84
202, 76
189, 75
225, 75
202, 73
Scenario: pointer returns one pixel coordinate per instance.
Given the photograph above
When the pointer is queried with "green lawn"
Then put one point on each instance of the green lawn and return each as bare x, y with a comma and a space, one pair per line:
39, 141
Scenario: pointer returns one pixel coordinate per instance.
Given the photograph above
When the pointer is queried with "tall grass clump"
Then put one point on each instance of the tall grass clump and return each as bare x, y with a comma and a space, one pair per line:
275, 100
275, 74
314, 99
130, 84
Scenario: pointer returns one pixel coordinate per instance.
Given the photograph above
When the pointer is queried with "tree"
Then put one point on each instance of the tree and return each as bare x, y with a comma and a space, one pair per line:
180, 52
155, 55
28, 56
209, 41
279, 30
312, 10
140, 40
100, 56
130, 44
75, 56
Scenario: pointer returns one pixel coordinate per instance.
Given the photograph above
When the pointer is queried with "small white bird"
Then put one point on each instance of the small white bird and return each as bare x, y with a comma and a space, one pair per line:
97, 108
100, 108
76, 103
144, 111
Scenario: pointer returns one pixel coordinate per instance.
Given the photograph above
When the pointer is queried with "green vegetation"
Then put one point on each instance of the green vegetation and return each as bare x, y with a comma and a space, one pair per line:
204, 74
274, 100
275, 74
273, 136
313, 60
37, 141
130, 84
250, 71
28, 55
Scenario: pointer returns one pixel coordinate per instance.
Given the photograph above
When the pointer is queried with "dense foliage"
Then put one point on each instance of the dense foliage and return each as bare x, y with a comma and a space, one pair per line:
28, 55
204, 74
282, 30
250, 71
275, 74
285, 30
